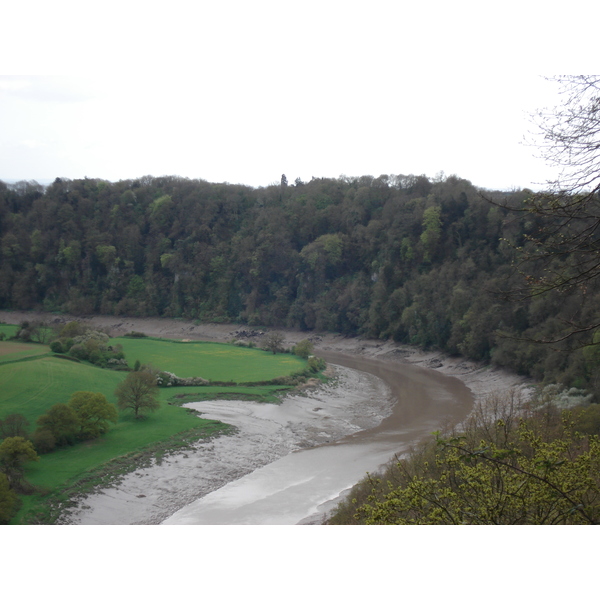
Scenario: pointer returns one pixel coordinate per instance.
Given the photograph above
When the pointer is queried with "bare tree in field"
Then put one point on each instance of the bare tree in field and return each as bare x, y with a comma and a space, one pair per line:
138, 392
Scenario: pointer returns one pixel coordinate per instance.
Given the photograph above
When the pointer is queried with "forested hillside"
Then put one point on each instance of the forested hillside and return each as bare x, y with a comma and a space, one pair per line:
405, 257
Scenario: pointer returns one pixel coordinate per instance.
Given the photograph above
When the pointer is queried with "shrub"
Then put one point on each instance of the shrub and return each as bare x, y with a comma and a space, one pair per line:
92, 337
587, 419
73, 329
316, 364
303, 349
166, 379
62, 422
43, 440
78, 351
57, 347
96, 357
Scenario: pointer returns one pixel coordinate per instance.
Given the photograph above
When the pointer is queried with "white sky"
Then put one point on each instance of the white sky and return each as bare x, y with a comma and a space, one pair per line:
245, 91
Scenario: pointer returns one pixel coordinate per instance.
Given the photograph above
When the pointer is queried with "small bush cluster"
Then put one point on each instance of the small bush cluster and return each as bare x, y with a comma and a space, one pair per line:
303, 349
135, 334
86, 416
92, 346
167, 379
316, 364
34, 331
562, 398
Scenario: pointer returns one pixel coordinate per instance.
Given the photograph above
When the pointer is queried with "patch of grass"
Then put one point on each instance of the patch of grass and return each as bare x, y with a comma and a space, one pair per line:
266, 393
210, 360
8, 330
32, 387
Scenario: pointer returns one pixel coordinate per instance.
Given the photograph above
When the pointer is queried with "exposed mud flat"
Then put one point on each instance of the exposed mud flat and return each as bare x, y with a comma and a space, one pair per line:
385, 398
266, 432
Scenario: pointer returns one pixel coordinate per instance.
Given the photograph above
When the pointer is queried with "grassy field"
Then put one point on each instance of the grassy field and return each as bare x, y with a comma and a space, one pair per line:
31, 387
8, 330
213, 361
14, 351
32, 380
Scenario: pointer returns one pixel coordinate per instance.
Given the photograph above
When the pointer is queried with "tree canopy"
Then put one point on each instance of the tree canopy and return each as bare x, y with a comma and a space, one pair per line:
14, 453
61, 421
94, 413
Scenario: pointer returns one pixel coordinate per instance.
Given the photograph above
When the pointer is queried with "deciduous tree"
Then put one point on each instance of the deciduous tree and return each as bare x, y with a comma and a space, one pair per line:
138, 392
273, 342
14, 453
94, 413
14, 425
62, 422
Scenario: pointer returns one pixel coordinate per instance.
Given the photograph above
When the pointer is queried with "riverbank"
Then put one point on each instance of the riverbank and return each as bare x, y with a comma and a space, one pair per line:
354, 401
481, 379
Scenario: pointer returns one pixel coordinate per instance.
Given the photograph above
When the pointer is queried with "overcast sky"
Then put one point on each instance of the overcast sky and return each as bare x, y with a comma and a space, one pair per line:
245, 91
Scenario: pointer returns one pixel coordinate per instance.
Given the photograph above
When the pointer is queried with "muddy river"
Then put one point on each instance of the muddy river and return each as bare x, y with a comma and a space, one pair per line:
304, 485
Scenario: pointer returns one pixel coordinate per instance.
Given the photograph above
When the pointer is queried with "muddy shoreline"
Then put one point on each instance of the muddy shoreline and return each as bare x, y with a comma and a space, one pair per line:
369, 392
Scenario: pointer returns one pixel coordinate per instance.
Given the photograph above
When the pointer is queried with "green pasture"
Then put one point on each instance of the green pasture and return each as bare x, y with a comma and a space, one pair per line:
210, 360
31, 387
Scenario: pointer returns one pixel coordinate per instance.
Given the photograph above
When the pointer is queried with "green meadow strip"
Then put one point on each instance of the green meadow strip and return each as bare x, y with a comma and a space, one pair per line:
210, 360
265, 394
50, 503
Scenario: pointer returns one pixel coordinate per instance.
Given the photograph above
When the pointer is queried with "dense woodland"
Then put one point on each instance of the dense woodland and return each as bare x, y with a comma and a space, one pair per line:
417, 260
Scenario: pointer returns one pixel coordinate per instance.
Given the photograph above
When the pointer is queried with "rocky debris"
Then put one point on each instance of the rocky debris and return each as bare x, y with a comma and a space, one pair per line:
434, 363
398, 352
464, 367
246, 333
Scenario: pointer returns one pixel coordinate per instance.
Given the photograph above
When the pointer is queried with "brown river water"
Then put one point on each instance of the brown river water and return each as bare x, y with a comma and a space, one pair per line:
303, 486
